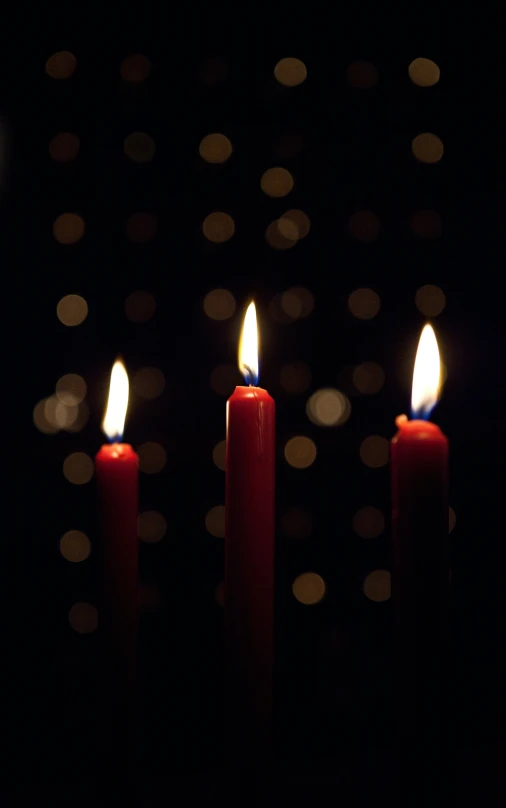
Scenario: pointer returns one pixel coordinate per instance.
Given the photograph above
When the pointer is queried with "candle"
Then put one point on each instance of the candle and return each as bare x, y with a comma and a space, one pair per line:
249, 556
117, 479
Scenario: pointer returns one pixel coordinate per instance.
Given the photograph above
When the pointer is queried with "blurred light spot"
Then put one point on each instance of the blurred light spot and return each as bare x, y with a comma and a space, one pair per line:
328, 407
427, 148
368, 378
300, 452
364, 304
141, 227
294, 224
430, 300
290, 72
215, 521
220, 455
135, 68
71, 389
150, 597
219, 304
64, 147
218, 227
308, 588
213, 71
452, 519
276, 182
68, 228
83, 618
72, 310
424, 72
139, 147
288, 229
345, 380
219, 594
58, 414
77, 417
148, 383
277, 311
61, 65
78, 468
75, 546
297, 523
151, 526
427, 224
225, 378
215, 148
362, 75
275, 237
368, 522
40, 420
364, 225
297, 302
295, 377
377, 586
289, 145
374, 451
152, 457
140, 306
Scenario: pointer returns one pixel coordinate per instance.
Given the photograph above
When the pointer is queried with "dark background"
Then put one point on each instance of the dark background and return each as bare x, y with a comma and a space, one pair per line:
333, 658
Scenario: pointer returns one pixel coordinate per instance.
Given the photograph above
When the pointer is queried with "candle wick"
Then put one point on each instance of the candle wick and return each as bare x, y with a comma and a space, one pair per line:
250, 374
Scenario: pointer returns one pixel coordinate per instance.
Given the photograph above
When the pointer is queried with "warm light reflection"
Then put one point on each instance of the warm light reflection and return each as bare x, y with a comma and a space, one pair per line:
248, 346
114, 421
426, 375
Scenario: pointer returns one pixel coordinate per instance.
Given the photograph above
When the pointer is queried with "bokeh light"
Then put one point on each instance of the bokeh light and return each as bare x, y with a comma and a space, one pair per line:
328, 407
364, 225
68, 228
294, 224
426, 224
297, 523
368, 522
141, 227
295, 377
215, 521
215, 148
75, 546
152, 457
139, 147
364, 304
148, 383
58, 414
427, 147
140, 306
83, 618
290, 72
300, 452
297, 302
452, 519
40, 420
362, 75
218, 227
72, 310
151, 526
377, 586
219, 304
277, 240
220, 455
64, 147
276, 182
308, 588
225, 378
374, 451
424, 72
430, 300
61, 65
78, 468
77, 417
135, 68
368, 378
71, 389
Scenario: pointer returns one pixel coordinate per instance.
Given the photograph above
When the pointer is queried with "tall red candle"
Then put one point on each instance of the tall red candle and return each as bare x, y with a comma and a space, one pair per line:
249, 558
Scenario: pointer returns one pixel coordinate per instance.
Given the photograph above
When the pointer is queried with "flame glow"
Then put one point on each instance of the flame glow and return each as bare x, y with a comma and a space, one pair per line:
248, 346
426, 375
114, 421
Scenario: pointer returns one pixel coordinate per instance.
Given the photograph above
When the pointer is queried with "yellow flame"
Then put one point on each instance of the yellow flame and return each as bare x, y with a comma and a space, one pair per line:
426, 375
248, 346
114, 421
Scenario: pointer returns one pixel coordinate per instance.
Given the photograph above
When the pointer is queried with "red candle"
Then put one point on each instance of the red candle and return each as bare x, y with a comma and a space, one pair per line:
249, 557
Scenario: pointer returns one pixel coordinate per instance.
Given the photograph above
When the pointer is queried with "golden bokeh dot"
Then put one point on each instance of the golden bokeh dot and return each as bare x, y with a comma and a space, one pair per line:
148, 383
368, 378
220, 455
424, 72
139, 147
295, 377
427, 147
426, 224
362, 74
452, 519
292, 222
218, 227
374, 451
75, 546
78, 468
141, 227
213, 71
364, 304
215, 148
308, 588
297, 523
290, 72
224, 379
297, 302
378, 585
219, 304
368, 522
300, 452
71, 389
77, 417
430, 300
151, 526
58, 414
328, 407
40, 420
276, 182
61, 65
215, 521
364, 225
68, 228
64, 147
275, 238
72, 310
288, 229
152, 457
83, 618
135, 68
140, 306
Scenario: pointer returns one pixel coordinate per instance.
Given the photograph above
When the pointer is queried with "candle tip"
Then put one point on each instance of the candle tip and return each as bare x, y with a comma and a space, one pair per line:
400, 420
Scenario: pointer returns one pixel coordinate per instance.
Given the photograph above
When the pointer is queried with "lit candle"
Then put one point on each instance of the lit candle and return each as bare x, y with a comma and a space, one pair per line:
249, 556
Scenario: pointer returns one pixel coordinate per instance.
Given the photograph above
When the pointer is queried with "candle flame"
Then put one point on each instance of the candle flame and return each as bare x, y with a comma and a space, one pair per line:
426, 375
248, 346
114, 420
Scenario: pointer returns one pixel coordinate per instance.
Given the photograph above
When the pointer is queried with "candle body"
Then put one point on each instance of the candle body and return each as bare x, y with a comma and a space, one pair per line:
249, 571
